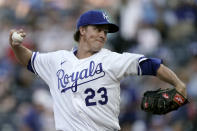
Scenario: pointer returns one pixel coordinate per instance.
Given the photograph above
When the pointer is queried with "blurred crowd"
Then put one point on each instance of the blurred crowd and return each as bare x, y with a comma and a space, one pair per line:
165, 29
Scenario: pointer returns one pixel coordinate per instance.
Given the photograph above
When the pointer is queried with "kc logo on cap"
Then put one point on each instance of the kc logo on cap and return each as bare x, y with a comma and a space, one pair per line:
105, 16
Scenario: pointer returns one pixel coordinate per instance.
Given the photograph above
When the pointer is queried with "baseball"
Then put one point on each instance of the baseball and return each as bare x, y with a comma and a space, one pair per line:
16, 37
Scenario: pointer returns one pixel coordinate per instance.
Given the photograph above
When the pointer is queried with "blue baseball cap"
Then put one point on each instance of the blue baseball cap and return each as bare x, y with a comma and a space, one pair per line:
96, 17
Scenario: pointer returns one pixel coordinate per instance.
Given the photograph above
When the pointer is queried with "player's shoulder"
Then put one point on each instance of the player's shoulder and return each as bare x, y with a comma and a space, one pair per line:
60, 52
132, 54
109, 53
56, 54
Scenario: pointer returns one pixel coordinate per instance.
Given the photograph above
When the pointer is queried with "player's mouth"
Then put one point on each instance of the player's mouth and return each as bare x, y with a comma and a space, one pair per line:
100, 41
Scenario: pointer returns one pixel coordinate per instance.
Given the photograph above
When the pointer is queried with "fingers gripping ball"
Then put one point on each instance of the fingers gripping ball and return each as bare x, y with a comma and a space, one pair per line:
16, 37
162, 101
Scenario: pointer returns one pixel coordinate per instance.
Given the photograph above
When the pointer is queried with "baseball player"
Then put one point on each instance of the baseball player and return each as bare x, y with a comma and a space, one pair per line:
85, 82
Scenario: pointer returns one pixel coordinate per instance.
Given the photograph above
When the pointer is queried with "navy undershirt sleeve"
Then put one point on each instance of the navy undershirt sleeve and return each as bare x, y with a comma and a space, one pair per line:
150, 66
29, 67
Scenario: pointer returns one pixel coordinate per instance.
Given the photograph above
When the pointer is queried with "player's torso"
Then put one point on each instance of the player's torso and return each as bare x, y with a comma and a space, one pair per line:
86, 90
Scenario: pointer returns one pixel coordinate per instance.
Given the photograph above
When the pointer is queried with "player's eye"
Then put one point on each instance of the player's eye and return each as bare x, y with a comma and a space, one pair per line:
100, 28
106, 31
96, 29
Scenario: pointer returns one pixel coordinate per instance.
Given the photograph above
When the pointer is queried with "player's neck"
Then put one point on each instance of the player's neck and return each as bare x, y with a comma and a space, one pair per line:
81, 55
83, 52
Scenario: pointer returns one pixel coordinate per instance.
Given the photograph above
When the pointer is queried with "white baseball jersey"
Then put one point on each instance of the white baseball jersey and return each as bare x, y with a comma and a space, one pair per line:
85, 92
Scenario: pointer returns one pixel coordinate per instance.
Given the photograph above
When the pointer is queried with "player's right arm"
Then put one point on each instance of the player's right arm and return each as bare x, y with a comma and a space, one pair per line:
22, 53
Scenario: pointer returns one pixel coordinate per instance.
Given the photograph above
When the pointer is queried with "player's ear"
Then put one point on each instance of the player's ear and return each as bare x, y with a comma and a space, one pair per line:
82, 30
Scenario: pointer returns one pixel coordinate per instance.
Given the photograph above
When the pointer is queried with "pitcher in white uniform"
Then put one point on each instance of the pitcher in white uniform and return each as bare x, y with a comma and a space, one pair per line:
85, 82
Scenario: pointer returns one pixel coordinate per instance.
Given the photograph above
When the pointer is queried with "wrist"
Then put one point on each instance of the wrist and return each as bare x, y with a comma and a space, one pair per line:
15, 45
181, 88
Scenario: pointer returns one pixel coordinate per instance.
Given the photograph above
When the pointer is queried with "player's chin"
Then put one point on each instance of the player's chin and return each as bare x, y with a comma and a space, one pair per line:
97, 49
98, 46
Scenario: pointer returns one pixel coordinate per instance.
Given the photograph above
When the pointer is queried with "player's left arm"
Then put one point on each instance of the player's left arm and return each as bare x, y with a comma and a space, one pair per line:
154, 66
167, 75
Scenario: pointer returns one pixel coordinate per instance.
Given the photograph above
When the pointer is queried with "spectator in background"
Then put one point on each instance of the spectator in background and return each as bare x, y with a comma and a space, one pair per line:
39, 116
192, 84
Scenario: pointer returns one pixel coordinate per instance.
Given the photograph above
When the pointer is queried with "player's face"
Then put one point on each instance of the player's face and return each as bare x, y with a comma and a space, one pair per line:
95, 36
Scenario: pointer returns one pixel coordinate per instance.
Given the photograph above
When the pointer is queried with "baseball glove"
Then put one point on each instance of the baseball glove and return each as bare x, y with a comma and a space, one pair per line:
162, 101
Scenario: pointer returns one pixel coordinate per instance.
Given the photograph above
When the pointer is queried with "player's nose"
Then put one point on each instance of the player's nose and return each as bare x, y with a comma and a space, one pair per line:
103, 34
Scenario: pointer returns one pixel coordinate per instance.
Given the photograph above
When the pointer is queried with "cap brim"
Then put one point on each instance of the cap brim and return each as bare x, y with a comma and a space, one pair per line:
113, 28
